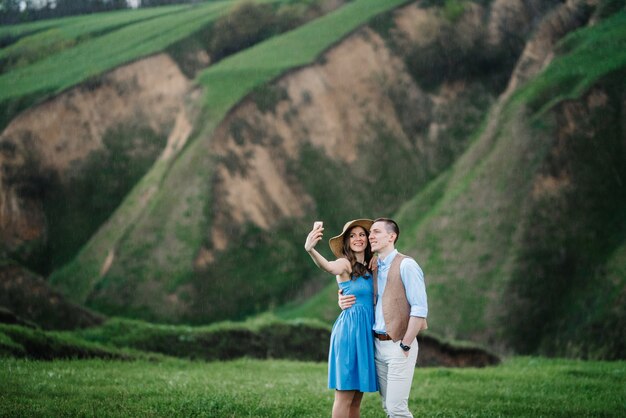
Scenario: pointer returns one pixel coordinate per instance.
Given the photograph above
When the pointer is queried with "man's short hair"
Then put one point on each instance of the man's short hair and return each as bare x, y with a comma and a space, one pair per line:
390, 226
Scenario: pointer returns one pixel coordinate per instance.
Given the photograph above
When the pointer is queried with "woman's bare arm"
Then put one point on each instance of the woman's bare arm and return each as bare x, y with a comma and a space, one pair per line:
338, 267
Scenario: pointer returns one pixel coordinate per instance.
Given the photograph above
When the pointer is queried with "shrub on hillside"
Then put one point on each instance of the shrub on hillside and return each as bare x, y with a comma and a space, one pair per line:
266, 338
247, 24
290, 16
566, 277
28, 299
455, 43
76, 206
19, 341
451, 54
9, 348
608, 8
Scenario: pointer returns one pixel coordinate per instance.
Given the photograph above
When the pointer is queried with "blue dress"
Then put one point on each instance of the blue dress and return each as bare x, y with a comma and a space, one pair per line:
351, 355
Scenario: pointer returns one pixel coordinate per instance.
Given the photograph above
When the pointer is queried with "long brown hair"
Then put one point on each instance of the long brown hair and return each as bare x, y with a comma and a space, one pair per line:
358, 269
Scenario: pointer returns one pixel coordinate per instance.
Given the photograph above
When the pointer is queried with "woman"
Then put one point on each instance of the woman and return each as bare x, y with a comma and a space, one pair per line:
351, 368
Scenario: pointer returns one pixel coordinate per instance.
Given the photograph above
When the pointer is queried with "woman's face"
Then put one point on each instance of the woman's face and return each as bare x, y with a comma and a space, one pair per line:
358, 239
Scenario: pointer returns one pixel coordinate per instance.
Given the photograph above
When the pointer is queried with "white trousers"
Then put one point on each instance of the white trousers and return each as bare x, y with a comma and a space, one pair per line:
395, 375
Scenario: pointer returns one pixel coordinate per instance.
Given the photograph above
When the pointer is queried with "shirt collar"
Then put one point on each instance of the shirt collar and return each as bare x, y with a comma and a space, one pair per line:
384, 264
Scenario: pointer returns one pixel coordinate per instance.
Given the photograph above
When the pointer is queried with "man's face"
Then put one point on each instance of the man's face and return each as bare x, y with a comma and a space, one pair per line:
379, 237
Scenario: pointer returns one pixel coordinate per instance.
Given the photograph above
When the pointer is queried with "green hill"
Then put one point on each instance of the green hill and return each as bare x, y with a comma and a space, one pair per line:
522, 238
140, 236
106, 43
530, 220
511, 199
125, 122
32, 42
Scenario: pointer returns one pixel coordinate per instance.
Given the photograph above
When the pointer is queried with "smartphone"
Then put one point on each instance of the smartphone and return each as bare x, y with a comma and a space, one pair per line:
318, 224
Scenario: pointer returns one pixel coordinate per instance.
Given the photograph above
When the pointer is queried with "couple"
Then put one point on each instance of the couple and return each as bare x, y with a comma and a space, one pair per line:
373, 343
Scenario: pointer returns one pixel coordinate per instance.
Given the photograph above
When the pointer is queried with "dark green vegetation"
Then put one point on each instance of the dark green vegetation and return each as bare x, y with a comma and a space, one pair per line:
265, 337
532, 215
27, 299
585, 56
95, 188
570, 275
521, 387
18, 341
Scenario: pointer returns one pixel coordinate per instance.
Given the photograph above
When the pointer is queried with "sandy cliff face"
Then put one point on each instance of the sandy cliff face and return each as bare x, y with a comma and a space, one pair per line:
331, 106
340, 105
53, 141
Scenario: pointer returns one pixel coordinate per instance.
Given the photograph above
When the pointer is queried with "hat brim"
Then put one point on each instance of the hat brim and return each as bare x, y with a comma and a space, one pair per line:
336, 243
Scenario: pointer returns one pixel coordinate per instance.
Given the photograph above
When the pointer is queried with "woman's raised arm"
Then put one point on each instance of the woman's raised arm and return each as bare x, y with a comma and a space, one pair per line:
337, 267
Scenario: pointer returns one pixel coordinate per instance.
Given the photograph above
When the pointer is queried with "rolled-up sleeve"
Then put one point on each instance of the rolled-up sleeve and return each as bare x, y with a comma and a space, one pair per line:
413, 280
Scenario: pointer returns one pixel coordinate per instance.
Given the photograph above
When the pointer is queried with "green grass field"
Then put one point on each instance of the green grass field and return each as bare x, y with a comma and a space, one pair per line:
521, 387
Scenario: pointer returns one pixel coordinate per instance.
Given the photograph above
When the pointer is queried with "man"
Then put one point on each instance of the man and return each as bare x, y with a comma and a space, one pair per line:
401, 311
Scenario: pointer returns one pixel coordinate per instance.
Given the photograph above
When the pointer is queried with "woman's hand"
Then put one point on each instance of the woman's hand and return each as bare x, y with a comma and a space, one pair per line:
314, 236
339, 267
374, 263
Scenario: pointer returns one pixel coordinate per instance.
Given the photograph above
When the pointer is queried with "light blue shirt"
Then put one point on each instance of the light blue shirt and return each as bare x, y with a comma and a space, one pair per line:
413, 279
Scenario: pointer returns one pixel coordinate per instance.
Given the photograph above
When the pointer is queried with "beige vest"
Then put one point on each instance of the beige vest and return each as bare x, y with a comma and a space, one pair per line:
396, 308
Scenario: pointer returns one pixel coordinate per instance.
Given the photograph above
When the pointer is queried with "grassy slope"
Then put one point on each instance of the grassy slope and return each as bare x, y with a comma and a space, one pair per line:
184, 185
59, 34
117, 338
19, 341
586, 56
29, 84
265, 336
57, 54
231, 79
322, 306
521, 387
14, 33
461, 227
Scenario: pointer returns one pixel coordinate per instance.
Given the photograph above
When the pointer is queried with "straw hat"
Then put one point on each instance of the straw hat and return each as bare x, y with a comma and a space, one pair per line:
336, 243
